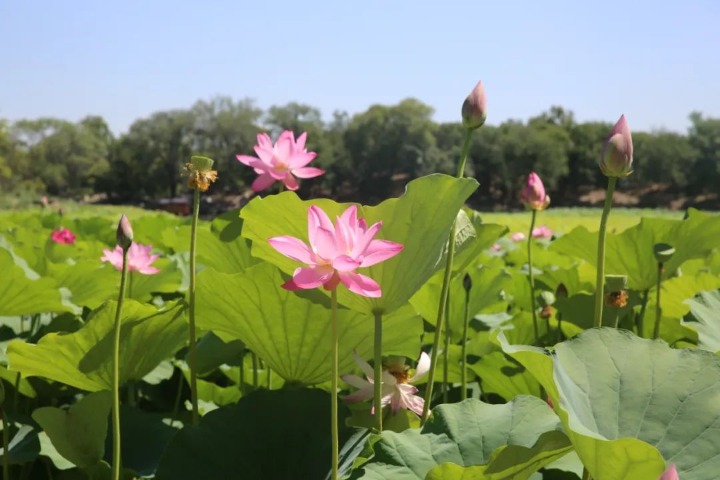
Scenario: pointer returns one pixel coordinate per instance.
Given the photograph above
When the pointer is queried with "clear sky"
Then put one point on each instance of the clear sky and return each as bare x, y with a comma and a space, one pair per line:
655, 60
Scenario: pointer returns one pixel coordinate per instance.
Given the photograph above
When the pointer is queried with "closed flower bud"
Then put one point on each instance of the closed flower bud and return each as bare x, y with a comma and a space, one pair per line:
474, 108
617, 152
124, 233
533, 194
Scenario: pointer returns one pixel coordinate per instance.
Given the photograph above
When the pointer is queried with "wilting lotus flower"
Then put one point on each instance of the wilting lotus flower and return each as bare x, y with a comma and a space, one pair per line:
617, 152
474, 108
517, 237
283, 161
139, 258
63, 235
542, 232
670, 473
396, 389
533, 193
335, 251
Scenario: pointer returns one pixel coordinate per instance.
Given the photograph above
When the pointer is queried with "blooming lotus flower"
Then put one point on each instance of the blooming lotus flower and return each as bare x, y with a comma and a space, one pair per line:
617, 152
533, 193
335, 251
396, 389
670, 473
63, 235
139, 258
283, 161
542, 232
474, 108
517, 237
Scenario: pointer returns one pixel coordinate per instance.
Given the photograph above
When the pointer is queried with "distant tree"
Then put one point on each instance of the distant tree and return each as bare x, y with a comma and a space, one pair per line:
704, 136
664, 157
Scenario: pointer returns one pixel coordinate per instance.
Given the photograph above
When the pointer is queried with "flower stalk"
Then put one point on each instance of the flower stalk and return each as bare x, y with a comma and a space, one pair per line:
377, 365
467, 285
600, 279
334, 387
531, 277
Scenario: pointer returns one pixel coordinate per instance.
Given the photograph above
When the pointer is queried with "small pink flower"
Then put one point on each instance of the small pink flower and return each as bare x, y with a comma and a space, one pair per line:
63, 235
283, 161
139, 258
517, 237
533, 193
396, 389
335, 252
670, 473
542, 232
496, 247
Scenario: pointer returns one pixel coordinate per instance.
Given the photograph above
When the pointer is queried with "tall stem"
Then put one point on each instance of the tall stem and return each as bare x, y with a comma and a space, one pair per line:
446, 352
640, 320
599, 284
463, 372
532, 279
445, 289
6, 443
334, 387
378, 379
116, 465
658, 308
191, 329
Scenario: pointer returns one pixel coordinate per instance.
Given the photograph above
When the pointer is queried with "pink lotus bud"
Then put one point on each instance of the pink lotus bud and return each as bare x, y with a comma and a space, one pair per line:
670, 473
533, 193
617, 153
124, 233
474, 108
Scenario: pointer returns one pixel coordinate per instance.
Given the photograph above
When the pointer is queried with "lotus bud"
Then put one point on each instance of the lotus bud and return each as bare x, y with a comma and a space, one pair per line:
663, 252
474, 108
617, 152
124, 233
533, 194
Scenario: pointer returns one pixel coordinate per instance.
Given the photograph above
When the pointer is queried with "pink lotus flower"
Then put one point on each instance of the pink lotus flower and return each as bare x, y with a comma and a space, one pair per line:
63, 236
283, 161
533, 193
517, 237
474, 108
335, 251
496, 247
396, 389
617, 154
542, 232
139, 258
670, 473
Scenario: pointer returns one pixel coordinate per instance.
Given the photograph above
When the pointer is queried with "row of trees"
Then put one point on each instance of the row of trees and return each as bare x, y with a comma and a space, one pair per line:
367, 156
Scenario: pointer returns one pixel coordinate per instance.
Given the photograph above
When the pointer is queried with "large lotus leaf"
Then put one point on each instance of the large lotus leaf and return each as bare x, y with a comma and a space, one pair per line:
631, 252
507, 441
104, 285
151, 229
23, 447
578, 309
143, 287
504, 376
24, 387
291, 330
279, 434
484, 236
19, 295
705, 309
78, 434
420, 220
628, 402
83, 359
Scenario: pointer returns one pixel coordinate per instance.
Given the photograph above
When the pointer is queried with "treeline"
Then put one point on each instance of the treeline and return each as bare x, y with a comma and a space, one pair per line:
368, 156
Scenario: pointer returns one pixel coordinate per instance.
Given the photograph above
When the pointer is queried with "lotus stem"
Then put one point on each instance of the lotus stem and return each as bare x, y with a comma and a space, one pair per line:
446, 352
463, 371
334, 387
378, 377
639, 321
599, 284
192, 361
658, 308
116, 460
530, 276
445, 288
255, 369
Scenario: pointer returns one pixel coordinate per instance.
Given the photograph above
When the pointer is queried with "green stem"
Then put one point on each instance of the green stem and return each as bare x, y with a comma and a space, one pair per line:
334, 387
617, 320
658, 308
6, 443
532, 279
463, 372
446, 352
378, 377
241, 374
178, 397
255, 369
116, 466
639, 322
192, 339
599, 284
130, 285
445, 289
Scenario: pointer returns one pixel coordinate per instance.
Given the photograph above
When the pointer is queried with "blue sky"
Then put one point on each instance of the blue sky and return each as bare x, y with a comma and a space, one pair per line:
655, 61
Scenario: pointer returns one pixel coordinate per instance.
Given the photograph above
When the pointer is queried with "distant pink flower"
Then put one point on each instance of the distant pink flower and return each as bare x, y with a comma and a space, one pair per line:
283, 161
396, 389
139, 258
63, 235
335, 252
533, 193
670, 473
496, 247
517, 237
542, 232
